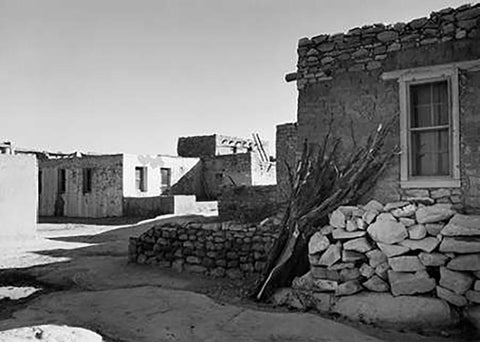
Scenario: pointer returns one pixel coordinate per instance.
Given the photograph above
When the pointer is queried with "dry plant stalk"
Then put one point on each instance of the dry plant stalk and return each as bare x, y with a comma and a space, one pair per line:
321, 183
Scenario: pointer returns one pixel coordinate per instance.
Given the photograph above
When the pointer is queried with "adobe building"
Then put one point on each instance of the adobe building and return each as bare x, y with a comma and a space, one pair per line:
82, 185
426, 73
229, 162
18, 194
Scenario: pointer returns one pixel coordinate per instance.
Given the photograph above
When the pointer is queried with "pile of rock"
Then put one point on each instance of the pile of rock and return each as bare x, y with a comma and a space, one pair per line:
406, 248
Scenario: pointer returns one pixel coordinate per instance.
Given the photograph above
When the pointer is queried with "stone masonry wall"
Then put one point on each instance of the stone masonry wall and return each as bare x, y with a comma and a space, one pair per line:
286, 152
248, 203
404, 248
212, 248
340, 86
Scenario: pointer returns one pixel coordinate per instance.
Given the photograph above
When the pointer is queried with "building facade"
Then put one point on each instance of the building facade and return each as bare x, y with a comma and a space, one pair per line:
426, 73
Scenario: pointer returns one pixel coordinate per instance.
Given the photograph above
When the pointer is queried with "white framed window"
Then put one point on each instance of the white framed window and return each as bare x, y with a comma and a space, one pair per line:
429, 126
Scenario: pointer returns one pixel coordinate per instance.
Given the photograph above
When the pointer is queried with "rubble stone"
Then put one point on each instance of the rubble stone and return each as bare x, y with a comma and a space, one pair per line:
387, 231
352, 256
402, 283
432, 259
394, 205
406, 211
349, 274
461, 245
417, 232
376, 257
462, 225
382, 269
434, 213
468, 262
392, 250
319, 272
338, 219
434, 228
360, 245
348, 288
367, 271
331, 255
342, 234
376, 284
407, 222
373, 205
318, 243
451, 297
427, 244
458, 282
473, 296
405, 263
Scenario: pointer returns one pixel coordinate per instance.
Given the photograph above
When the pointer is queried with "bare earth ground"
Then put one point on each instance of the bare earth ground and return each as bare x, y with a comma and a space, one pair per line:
87, 283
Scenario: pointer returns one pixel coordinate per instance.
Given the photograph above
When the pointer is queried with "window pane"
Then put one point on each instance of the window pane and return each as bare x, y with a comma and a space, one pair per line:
430, 153
429, 104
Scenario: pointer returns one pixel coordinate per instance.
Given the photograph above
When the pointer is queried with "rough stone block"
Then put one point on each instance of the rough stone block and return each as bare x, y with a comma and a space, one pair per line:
331, 255
360, 245
427, 244
373, 205
392, 250
406, 211
432, 259
402, 283
376, 257
434, 213
407, 222
387, 231
352, 256
324, 273
458, 282
342, 234
404, 263
338, 219
417, 232
434, 229
451, 297
376, 284
395, 205
349, 274
468, 262
410, 311
473, 296
367, 271
318, 243
382, 270
348, 288
462, 225
462, 245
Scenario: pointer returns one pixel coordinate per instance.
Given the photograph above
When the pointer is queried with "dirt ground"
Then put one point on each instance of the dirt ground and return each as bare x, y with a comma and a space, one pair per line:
87, 282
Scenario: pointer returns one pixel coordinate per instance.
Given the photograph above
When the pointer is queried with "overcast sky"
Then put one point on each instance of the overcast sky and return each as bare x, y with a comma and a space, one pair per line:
131, 76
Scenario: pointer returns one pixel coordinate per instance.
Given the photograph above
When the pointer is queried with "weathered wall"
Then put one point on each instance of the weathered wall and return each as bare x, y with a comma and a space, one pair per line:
249, 203
339, 83
104, 200
18, 196
159, 205
216, 249
286, 144
226, 171
197, 146
470, 140
180, 169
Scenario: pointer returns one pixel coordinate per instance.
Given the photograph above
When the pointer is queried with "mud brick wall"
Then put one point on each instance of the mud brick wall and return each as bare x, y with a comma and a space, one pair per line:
412, 247
286, 152
214, 248
198, 146
249, 203
340, 85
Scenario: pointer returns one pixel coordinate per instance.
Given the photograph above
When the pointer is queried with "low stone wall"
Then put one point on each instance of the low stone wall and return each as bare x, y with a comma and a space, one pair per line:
402, 248
212, 248
248, 203
159, 205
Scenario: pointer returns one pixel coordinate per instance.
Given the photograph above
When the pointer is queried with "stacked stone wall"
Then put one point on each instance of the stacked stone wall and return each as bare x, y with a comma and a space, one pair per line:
403, 248
249, 203
212, 248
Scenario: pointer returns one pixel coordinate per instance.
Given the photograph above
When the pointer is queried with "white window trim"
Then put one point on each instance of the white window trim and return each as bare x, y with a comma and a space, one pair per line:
408, 77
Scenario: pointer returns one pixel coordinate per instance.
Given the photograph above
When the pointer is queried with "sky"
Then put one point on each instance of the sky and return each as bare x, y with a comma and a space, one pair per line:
113, 76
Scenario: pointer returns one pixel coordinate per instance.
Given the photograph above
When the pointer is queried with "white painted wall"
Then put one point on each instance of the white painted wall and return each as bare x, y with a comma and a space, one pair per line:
18, 196
179, 167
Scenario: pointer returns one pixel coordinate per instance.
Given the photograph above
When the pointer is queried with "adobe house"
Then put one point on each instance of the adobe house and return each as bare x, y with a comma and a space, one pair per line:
18, 194
427, 73
82, 185
228, 162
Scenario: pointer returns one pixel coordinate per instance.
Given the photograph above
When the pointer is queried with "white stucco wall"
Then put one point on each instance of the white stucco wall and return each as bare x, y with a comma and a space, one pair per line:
18, 196
179, 166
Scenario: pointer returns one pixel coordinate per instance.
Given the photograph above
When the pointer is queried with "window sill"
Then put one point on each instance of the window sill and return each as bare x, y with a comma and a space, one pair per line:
431, 183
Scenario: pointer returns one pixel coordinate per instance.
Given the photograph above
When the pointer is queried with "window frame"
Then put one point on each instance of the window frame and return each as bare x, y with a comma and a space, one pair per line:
429, 75
143, 184
165, 186
87, 180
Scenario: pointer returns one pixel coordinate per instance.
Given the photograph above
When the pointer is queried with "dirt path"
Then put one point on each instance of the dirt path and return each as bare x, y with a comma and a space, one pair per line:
90, 285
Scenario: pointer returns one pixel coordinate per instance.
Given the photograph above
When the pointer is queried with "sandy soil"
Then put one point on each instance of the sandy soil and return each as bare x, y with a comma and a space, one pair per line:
82, 266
